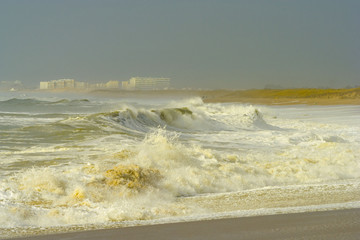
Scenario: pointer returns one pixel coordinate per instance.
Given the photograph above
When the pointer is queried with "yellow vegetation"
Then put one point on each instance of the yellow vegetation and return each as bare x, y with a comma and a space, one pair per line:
300, 93
286, 96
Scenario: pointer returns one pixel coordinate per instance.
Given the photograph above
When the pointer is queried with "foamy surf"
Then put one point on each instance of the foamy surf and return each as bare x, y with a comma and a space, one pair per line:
103, 162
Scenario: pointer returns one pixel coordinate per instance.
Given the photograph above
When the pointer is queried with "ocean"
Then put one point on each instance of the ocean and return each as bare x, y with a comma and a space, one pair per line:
72, 162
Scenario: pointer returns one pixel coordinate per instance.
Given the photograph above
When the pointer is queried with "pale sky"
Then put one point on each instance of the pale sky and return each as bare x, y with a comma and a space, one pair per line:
197, 43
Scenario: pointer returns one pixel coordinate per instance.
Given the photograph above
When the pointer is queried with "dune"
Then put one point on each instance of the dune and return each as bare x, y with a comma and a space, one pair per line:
310, 96
286, 96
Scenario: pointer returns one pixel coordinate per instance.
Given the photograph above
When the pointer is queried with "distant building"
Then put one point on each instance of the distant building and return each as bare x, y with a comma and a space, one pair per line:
81, 85
112, 84
58, 84
44, 85
146, 83
71, 84
126, 85
97, 85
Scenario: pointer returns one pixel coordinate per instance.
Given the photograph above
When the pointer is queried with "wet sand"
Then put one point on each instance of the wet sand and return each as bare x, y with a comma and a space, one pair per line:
336, 224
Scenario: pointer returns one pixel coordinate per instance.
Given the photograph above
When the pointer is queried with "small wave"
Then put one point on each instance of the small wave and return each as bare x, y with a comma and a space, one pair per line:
33, 101
71, 102
19, 101
257, 120
32, 105
240, 116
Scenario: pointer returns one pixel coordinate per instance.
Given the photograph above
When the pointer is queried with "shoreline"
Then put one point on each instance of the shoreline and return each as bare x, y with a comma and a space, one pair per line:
288, 101
332, 224
252, 96
257, 96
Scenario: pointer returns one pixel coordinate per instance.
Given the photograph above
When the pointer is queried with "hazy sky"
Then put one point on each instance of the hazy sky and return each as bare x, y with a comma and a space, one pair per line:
197, 43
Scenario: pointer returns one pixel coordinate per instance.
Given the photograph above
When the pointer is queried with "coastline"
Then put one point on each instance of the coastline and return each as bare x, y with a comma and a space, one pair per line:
257, 96
334, 224
252, 96
286, 101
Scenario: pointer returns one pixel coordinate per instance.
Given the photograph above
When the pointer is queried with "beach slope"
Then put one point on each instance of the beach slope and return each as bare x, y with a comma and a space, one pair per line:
336, 224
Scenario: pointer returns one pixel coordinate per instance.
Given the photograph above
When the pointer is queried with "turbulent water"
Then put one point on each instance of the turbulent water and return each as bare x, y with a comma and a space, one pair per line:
69, 162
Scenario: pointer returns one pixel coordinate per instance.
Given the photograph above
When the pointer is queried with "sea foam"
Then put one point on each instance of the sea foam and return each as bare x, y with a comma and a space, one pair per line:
136, 163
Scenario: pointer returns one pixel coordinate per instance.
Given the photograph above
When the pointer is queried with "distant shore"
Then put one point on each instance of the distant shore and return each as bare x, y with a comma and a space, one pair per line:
255, 96
306, 96
287, 96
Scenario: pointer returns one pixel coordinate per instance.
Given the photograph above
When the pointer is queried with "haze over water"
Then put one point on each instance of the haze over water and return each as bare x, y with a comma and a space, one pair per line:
78, 162
198, 44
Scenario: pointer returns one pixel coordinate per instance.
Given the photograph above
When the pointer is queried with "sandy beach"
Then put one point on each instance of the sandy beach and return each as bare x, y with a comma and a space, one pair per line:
253, 96
337, 224
286, 96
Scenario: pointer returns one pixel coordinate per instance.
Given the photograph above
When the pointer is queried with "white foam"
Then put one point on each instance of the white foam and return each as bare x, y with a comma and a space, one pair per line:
202, 153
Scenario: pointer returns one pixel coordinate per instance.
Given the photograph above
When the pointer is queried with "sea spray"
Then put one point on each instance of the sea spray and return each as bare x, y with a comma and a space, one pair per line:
114, 162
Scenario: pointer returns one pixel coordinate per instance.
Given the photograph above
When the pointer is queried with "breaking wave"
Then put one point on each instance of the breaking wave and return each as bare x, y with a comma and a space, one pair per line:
193, 117
68, 162
134, 120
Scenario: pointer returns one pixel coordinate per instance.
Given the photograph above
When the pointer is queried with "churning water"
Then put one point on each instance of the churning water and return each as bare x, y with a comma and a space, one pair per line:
75, 163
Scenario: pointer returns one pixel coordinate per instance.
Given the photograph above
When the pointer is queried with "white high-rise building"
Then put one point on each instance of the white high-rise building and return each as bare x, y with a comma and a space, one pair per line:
58, 84
112, 84
146, 83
